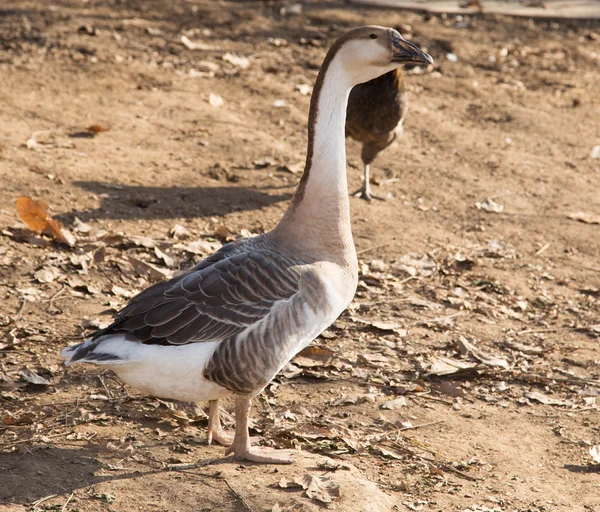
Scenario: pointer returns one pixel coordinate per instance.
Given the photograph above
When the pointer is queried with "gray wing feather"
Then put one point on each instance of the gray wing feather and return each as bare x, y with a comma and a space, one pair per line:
219, 298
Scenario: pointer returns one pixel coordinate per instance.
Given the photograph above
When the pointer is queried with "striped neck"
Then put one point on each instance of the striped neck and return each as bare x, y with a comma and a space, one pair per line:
318, 218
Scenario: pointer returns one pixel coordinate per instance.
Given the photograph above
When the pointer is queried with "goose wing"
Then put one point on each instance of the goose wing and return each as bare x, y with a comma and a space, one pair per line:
220, 297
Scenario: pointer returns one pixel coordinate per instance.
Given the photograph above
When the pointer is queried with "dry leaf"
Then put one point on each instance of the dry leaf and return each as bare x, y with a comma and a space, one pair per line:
544, 399
33, 213
169, 260
394, 404
33, 378
588, 218
313, 356
96, 129
467, 348
318, 488
447, 366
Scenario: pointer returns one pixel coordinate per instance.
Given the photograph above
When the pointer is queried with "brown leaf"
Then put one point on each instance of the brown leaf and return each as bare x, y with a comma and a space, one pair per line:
318, 488
447, 366
314, 356
33, 213
96, 128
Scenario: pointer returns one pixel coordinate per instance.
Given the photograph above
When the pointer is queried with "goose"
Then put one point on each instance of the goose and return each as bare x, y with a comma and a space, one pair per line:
375, 117
230, 324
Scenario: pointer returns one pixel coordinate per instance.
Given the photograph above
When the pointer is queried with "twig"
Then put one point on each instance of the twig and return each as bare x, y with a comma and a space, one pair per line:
422, 425
51, 299
20, 312
237, 495
362, 251
542, 249
21, 441
184, 467
191, 465
108, 393
41, 500
435, 399
64, 507
549, 329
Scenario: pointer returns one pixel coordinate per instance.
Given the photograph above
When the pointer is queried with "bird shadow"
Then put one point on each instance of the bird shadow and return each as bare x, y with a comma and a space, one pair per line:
144, 202
578, 468
32, 474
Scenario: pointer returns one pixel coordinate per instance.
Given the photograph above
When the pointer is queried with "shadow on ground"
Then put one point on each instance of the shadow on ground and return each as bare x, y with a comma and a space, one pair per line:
141, 202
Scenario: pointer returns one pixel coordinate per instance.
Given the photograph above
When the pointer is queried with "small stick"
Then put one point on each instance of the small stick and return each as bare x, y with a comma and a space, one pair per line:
237, 495
41, 500
64, 507
21, 441
534, 331
108, 393
543, 249
422, 425
435, 399
362, 251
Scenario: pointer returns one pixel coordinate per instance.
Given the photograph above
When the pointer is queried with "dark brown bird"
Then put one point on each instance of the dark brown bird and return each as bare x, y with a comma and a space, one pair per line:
375, 114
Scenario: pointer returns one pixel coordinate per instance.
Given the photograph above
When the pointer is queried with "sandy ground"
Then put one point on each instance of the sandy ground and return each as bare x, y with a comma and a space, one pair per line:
466, 374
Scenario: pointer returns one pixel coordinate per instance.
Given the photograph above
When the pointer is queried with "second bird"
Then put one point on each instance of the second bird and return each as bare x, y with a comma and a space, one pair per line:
376, 111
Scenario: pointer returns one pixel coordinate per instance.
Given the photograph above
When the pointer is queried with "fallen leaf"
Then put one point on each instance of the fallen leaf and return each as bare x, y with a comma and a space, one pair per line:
318, 488
313, 356
145, 269
46, 275
447, 366
169, 260
465, 347
96, 129
81, 227
33, 213
588, 218
394, 404
33, 378
544, 399
355, 399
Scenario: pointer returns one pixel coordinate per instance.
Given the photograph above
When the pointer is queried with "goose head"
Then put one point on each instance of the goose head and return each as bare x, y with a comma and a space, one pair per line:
370, 51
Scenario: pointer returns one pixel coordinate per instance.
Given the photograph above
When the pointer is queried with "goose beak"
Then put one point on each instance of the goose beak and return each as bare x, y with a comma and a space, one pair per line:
405, 52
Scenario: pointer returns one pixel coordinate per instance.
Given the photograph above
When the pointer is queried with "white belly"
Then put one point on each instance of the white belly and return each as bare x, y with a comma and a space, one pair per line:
166, 371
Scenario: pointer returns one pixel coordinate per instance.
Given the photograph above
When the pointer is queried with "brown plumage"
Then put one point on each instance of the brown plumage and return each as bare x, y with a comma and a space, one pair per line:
375, 114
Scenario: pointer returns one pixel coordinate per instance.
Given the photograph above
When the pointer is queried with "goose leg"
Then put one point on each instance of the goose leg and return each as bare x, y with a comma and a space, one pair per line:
364, 192
241, 448
215, 430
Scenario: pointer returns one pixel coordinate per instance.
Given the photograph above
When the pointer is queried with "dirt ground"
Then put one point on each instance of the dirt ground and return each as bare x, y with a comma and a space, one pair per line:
464, 377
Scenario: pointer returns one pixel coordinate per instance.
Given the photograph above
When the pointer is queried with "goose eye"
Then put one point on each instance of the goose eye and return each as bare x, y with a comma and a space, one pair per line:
373, 36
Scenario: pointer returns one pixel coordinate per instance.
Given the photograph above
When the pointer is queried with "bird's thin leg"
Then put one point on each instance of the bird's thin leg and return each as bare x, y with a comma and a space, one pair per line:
364, 192
215, 430
241, 448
